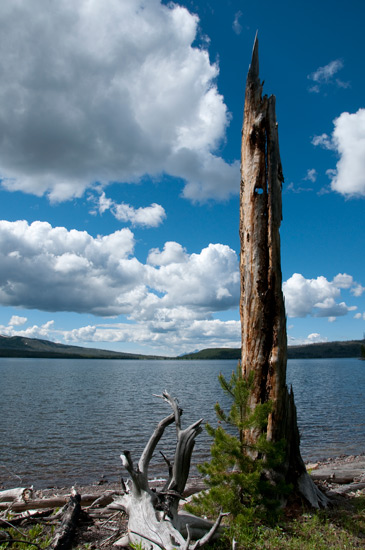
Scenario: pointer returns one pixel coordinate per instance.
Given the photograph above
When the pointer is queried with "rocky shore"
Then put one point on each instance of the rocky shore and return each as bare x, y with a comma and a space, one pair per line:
340, 475
100, 526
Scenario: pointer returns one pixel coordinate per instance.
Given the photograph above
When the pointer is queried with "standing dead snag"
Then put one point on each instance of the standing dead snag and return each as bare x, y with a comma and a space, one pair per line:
154, 520
263, 321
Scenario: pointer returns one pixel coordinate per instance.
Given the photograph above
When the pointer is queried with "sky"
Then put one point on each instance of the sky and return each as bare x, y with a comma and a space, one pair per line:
120, 130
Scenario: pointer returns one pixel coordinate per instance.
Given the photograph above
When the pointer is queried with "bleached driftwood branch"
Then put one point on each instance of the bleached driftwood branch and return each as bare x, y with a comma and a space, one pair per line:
154, 519
16, 495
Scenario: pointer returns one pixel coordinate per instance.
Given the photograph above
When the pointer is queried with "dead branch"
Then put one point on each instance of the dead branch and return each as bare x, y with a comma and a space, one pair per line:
56, 502
153, 516
64, 535
17, 494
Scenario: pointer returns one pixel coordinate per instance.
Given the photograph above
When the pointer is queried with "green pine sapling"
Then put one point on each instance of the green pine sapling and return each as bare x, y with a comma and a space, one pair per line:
238, 474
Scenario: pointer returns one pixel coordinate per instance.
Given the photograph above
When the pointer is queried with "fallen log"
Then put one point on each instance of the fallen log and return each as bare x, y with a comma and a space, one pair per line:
56, 502
153, 516
17, 494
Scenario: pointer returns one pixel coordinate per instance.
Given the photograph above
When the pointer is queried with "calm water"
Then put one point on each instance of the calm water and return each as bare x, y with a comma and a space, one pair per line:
67, 421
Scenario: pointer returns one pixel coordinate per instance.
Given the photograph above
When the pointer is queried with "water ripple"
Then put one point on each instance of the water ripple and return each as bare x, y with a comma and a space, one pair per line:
67, 421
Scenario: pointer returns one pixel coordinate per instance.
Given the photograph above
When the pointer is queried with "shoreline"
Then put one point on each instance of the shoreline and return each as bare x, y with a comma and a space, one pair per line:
341, 478
342, 474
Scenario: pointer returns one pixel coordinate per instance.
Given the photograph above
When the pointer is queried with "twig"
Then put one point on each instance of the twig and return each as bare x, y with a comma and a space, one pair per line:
109, 519
12, 526
208, 536
115, 535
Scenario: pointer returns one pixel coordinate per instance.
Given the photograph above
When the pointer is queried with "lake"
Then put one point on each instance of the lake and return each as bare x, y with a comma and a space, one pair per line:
66, 421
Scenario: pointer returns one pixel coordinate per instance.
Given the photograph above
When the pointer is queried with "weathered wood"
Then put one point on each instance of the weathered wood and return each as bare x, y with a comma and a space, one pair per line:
56, 502
153, 517
263, 320
16, 494
64, 535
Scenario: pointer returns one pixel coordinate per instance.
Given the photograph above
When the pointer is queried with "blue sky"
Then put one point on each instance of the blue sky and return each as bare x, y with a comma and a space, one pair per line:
119, 166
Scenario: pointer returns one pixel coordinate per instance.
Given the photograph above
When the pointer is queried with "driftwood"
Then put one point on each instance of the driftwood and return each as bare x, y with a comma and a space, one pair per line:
154, 520
17, 494
100, 521
56, 502
64, 535
263, 320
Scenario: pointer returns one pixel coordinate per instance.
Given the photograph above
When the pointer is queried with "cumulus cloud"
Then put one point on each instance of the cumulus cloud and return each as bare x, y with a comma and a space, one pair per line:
357, 290
44, 331
326, 75
91, 95
360, 316
16, 320
170, 340
52, 269
317, 297
323, 141
348, 140
172, 253
312, 338
170, 300
343, 280
148, 216
205, 281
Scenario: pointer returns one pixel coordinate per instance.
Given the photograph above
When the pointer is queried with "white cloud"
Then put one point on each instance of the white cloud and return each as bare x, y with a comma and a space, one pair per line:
16, 320
208, 281
172, 253
44, 331
53, 269
91, 95
325, 75
312, 338
323, 141
237, 27
360, 316
148, 216
358, 290
316, 297
169, 300
166, 338
348, 140
342, 280
311, 175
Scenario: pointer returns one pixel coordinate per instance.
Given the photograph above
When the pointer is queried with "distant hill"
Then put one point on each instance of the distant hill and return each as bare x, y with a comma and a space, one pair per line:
330, 350
213, 353
324, 350
19, 346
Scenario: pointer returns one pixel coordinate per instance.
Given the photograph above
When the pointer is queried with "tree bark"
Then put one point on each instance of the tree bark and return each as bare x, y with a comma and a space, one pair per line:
263, 321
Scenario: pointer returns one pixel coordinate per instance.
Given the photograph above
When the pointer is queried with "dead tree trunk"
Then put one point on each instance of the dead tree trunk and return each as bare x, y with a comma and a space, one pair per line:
263, 321
154, 520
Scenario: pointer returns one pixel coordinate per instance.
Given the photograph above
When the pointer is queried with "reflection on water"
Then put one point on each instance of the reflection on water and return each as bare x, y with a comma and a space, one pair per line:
67, 421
